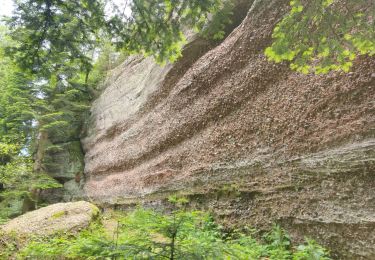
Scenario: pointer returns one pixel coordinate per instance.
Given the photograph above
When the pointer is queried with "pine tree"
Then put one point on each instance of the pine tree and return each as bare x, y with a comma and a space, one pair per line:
324, 35
51, 32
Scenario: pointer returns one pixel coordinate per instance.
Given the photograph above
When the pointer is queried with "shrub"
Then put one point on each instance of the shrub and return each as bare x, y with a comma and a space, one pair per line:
147, 234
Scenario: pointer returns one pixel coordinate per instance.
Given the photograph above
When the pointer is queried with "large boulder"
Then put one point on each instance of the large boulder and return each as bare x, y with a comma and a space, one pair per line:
60, 217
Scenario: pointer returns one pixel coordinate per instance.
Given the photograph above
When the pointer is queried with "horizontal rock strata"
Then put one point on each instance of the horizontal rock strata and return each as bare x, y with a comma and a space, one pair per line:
251, 140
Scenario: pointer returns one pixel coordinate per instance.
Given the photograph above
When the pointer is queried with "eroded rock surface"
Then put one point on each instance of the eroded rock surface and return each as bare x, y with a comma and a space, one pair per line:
60, 217
251, 140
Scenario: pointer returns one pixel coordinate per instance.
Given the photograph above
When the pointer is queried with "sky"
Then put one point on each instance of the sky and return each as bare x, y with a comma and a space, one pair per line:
6, 7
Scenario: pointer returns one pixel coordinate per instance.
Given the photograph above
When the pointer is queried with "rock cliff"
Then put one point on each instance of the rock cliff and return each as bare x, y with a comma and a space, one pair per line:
250, 140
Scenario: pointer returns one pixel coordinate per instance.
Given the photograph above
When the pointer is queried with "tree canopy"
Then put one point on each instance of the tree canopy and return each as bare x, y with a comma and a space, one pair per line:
18, 105
315, 36
52, 32
324, 35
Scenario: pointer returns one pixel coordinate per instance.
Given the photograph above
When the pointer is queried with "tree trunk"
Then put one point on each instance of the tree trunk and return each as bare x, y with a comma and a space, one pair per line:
173, 246
31, 201
40, 151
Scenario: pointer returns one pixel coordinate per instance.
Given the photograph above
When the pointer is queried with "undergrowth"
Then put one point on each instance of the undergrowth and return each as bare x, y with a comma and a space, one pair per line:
147, 234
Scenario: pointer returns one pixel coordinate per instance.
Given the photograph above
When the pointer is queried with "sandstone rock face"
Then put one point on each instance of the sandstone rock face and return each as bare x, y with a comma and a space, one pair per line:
61, 217
251, 140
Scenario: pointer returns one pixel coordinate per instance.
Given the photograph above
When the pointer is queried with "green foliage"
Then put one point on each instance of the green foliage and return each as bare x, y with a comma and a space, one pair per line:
311, 251
51, 33
18, 180
278, 244
316, 36
156, 27
229, 190
178, 201
55, 104
8, 245
108, 59
181, 235
18, 115
215, 28
146, 234
324, 35
7, 152
40, 109
16, 98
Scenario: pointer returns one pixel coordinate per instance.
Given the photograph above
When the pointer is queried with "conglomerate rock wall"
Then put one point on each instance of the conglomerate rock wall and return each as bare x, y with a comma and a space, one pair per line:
248, 139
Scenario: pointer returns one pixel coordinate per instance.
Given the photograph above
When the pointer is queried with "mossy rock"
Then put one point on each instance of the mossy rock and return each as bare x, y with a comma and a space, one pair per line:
61, 217
66, 163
